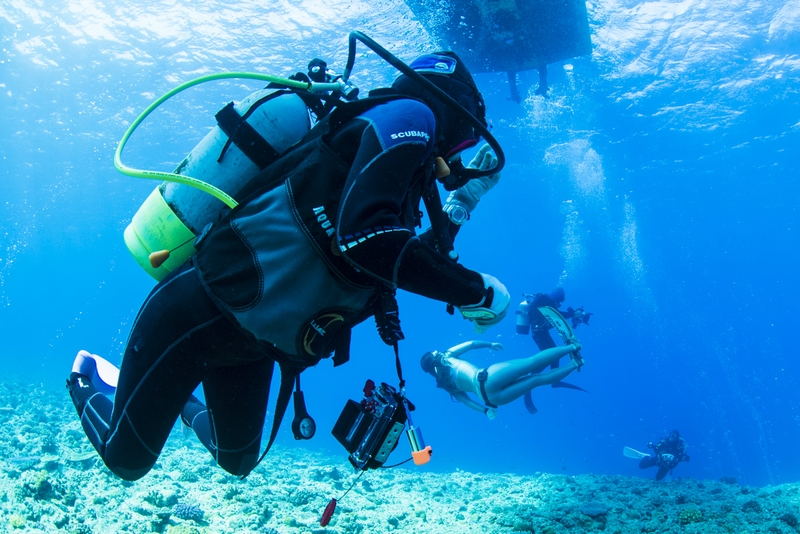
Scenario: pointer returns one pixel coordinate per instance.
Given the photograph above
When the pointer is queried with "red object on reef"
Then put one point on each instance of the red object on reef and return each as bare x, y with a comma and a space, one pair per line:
328, 513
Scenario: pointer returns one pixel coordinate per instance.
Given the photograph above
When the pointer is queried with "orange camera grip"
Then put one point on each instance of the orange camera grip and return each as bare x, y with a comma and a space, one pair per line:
422, 457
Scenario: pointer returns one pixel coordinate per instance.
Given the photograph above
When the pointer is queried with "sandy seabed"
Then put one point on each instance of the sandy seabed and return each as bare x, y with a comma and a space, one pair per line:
52, 481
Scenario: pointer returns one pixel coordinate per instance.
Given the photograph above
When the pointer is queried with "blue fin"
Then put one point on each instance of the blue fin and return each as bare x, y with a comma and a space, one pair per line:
529, 403
567, 385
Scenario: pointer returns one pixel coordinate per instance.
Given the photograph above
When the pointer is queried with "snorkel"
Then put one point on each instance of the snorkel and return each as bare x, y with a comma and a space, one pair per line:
458, 174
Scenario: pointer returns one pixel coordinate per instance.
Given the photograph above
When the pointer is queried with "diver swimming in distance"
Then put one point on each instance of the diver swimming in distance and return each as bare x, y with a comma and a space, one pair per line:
668, 453
529, 318
500, 383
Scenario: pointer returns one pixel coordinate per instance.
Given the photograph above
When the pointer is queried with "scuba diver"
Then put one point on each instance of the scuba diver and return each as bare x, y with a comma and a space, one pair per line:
669, 452
319, 242
501, 382
529, 318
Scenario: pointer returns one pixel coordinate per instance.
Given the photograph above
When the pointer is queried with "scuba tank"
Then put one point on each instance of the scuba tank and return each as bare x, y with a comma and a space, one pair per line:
270, 121
523, 317
249, 137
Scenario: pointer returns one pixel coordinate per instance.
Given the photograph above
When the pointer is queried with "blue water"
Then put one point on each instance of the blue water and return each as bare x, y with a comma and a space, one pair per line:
658, 185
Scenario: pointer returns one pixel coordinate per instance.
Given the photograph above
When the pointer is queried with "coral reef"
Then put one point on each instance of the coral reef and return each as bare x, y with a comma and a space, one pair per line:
52, 481
189, 512
690, 515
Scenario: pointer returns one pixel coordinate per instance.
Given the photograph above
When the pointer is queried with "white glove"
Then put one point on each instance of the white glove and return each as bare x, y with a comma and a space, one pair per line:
463, 200
482, 316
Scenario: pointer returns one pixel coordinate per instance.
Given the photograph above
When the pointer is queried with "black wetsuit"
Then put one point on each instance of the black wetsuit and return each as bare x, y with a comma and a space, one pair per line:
181, 338
676, 448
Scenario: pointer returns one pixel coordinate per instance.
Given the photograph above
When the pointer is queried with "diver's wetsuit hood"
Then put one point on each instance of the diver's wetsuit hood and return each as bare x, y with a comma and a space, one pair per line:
448, 73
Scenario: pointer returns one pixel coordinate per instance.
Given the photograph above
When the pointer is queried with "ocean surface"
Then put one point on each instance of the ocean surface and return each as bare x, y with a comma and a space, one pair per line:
658, 185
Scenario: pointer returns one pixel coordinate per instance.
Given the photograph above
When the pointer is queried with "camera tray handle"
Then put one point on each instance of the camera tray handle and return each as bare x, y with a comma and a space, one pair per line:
419, 451
422, 457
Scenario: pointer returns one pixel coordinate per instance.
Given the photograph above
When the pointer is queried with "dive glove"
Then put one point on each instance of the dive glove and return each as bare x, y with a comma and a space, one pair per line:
492, 309
463, 200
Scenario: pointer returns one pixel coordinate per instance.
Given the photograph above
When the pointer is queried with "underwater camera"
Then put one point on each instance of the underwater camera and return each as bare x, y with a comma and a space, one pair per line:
370, 429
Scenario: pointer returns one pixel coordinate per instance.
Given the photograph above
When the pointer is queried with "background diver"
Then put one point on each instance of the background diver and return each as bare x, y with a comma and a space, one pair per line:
529, 318
501, 382
669, 452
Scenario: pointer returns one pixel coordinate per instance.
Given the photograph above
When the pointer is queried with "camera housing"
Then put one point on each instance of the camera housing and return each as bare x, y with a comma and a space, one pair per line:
371, 429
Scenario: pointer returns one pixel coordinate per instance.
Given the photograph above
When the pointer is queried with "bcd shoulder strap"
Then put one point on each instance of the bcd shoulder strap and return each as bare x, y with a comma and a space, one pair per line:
324, 129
